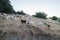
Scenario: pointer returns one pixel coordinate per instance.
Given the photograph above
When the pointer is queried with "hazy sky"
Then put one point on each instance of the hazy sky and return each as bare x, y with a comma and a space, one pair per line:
50, 7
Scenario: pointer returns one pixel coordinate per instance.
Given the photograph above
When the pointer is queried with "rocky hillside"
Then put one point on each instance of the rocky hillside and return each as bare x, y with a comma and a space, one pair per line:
13, 29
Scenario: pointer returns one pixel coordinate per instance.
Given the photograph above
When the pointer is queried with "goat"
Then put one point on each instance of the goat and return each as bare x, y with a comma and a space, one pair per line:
28, 23
47, 25
23, 21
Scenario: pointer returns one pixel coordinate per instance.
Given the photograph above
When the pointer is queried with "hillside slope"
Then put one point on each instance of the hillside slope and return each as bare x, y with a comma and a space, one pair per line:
35, 30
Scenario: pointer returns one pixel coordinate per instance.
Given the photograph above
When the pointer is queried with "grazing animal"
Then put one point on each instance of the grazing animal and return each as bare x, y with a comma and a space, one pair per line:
17, 16
23, 21
28, 23
47, 25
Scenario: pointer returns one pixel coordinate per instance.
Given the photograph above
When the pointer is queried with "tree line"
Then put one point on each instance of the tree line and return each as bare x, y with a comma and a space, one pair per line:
6, 7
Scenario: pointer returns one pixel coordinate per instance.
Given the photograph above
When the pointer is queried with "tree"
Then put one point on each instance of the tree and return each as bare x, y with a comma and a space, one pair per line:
6, 7
54, 18
58, 20
40, 15
20, 12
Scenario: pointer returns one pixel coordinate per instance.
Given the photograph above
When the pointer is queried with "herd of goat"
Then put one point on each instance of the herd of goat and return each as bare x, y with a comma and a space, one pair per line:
23, 21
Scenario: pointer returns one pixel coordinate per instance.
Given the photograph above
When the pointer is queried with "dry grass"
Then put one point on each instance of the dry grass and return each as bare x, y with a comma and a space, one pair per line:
14, 30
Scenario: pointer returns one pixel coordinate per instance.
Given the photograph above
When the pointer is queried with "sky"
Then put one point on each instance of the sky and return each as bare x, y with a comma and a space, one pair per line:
50, 7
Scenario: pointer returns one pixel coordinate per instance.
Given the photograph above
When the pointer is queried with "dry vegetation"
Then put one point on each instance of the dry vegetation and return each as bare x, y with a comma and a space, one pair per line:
15, 30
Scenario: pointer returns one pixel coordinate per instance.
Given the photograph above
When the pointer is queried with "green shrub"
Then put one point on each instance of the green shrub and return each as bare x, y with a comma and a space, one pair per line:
40, 15
54, 18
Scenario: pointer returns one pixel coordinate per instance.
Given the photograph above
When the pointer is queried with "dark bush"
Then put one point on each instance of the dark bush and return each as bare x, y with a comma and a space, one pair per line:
40, 15
54, 18
20, 12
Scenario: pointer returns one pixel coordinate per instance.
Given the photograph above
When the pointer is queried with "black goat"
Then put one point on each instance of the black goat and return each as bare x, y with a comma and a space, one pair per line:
23, 21
47, 24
